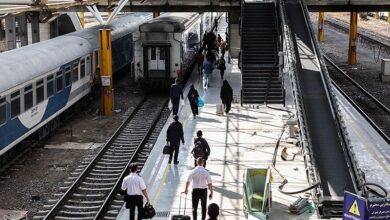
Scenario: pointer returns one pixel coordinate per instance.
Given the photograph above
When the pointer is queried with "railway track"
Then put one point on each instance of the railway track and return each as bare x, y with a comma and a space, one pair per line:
94, 194
375, 112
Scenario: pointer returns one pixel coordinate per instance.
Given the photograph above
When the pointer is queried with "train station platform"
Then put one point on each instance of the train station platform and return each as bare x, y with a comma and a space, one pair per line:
244, 138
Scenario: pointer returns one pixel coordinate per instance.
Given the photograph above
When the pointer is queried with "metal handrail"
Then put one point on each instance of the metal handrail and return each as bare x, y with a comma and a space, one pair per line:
300, 112
357, 173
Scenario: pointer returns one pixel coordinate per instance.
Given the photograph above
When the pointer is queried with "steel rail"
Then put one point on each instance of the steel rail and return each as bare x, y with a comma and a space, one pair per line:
380, 104
54, 210
368, 118
110, 197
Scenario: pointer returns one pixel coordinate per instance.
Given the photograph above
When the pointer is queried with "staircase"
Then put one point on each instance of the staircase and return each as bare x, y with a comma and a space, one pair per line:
259, 55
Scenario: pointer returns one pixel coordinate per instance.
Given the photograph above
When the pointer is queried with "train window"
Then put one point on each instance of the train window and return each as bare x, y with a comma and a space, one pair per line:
153, 54
40, 91
15, 104
88, 67
82, 68
3, 111
162, 53
59, 81
49, 86
28, 97
75, 72
67, 76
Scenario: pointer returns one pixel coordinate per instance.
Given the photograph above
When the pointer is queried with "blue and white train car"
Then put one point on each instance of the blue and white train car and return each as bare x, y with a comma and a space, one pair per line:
42, 80
165, 48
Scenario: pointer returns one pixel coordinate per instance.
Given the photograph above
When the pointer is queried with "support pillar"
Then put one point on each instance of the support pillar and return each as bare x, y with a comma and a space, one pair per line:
2, 28
106, 71
156, 14
234, 37
320, 35
82, 19
35, 36
23, 30
10, 32
388, 16
352, 38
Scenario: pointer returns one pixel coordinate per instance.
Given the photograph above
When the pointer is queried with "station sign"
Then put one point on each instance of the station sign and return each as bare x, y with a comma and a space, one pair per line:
359, 208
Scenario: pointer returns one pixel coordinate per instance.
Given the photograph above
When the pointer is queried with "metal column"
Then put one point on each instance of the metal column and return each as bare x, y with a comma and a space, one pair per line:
106, 71
35, 36
2, 34
321, 16
82, 19
10, 32
23, 36
234, 34
352, 38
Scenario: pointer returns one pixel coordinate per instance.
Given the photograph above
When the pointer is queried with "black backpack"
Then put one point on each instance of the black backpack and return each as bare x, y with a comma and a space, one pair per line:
198, 150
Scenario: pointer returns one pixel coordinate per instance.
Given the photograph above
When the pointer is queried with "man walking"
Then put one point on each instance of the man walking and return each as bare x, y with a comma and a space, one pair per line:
175, 94
174, 135
201, 180
199, 61
208, 70
135, 187
205, 148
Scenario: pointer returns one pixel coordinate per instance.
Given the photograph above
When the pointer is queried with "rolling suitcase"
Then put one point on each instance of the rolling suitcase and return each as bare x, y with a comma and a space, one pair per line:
179, 216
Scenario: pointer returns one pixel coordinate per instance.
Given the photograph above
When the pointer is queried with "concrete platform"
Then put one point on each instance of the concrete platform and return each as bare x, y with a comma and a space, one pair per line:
244, 138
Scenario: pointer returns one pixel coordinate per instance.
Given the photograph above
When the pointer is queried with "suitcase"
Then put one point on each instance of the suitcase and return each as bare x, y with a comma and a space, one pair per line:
179, 216
220, 109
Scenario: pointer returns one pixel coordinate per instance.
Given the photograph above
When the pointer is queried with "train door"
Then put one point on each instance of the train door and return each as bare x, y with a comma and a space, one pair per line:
157, 62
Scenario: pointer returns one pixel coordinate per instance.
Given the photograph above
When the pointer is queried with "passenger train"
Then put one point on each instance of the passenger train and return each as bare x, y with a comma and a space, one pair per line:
165, 48
42, 80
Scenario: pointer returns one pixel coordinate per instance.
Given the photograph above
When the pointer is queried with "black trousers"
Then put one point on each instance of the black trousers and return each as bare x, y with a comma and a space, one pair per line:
222, 72
194, 108
228, 105
175, 105
199, 194
133, 201
200, 66
174, 149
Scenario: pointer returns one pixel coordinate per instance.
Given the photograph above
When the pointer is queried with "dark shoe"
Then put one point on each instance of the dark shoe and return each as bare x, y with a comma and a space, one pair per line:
169, 162
176, 162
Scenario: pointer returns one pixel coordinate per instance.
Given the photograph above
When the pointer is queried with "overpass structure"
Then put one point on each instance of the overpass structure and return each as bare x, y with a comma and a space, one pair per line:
9, 6
331, 164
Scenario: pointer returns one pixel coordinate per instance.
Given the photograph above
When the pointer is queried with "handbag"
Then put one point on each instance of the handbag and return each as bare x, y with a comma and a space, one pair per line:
148, 211
200, 102
182, 102
167, 149
170, 105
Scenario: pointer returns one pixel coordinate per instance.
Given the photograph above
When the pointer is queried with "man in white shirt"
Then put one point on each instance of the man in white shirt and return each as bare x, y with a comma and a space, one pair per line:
201, 180
135, 187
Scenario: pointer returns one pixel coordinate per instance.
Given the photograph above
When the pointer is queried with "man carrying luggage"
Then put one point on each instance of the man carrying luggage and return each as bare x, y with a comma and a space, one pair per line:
201, 180
175, 133
135, 187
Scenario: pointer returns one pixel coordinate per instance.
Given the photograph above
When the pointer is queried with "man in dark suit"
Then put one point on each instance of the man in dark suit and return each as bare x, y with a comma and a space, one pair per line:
174, 135
175, 94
